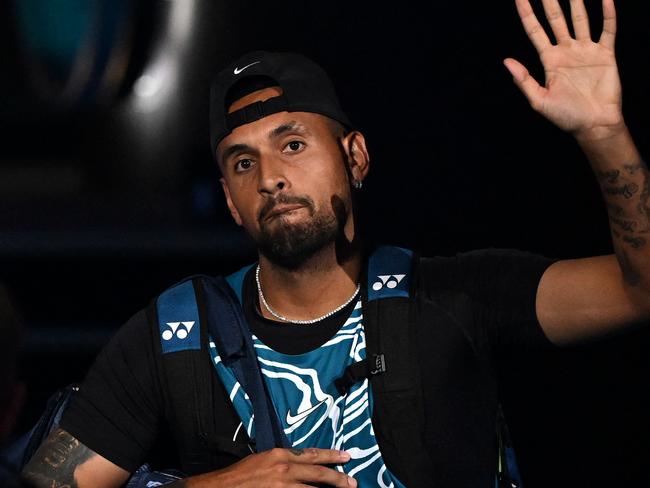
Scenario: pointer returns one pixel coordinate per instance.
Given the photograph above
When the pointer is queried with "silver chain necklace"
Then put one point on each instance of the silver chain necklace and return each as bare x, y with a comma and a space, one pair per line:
311, 321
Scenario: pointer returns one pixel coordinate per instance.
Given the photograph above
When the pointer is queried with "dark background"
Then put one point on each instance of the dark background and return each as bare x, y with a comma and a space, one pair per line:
108, 193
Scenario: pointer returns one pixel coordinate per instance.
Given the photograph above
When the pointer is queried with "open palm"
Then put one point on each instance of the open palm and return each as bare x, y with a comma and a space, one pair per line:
582, 91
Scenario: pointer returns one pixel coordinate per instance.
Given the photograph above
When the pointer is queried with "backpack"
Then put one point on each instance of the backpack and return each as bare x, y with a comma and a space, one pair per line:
398, 415
399, 410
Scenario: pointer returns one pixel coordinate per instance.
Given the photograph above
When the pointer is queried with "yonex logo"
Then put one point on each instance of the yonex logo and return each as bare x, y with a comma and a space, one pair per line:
389, 281
178, 329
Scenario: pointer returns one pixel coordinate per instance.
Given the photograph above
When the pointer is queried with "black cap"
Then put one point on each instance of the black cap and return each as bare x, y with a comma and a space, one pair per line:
305, 88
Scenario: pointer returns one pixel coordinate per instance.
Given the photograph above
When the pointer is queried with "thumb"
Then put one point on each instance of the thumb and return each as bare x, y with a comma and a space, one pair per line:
526, 83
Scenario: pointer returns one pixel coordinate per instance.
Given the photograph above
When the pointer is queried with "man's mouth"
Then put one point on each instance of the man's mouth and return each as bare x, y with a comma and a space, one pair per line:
281, 209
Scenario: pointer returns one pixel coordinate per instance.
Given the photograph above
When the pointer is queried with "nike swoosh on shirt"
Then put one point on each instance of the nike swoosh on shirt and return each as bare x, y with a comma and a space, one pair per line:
291, 419
239, 70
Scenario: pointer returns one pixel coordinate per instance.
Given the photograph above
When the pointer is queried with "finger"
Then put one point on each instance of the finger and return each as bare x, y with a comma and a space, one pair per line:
320, 475
580, 20
608, 37
312, 455
526, 83
533, 28
556, 19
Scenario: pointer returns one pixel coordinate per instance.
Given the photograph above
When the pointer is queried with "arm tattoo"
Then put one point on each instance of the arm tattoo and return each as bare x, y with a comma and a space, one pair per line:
628, 190
296, 451
644, 205
55, 462
633, 168
610, 176
630, 218
635, 242
626, 225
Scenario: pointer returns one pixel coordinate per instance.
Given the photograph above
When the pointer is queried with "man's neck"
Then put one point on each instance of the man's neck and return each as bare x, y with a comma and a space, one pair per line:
323, 283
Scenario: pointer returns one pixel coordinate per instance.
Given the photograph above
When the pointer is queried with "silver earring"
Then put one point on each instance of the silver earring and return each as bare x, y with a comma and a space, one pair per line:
358, 184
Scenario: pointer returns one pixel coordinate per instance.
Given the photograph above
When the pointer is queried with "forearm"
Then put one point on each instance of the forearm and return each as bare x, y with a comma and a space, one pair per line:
625, 184
64, 462
277, 467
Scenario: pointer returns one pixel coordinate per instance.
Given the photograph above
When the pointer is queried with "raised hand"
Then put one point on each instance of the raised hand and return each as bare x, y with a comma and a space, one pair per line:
582, 92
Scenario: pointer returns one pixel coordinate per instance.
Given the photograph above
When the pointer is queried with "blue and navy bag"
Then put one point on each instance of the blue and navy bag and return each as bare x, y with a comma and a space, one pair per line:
201, 306
398, 415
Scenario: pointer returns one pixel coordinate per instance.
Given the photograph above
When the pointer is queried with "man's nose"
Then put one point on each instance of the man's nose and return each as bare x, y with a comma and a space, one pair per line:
272, 177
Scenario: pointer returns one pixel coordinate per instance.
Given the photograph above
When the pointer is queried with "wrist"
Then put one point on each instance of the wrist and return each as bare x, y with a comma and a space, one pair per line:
609, 150
601, 134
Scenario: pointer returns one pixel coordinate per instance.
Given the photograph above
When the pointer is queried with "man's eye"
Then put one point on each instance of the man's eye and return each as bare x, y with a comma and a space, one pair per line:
243, 164
295, 145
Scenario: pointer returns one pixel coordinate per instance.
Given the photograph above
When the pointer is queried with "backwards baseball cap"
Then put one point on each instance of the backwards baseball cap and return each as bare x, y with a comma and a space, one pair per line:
305, 88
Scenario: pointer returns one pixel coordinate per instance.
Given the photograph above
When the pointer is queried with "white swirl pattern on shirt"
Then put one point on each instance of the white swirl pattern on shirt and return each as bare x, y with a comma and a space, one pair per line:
311, 410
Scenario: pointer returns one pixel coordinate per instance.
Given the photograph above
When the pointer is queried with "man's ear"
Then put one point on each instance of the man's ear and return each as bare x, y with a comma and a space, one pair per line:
231, 206
358, 160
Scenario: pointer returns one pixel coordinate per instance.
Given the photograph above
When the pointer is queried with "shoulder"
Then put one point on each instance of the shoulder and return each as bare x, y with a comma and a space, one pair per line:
178, 315
480, 268
477, 258
486, 254
138, 340
131, 333
145, 320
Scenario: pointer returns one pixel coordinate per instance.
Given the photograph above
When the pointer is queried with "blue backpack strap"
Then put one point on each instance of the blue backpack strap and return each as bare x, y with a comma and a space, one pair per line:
186, 374
389, 273
391, 334
389, 277
189, 381
184, 327
178, 318
233, 340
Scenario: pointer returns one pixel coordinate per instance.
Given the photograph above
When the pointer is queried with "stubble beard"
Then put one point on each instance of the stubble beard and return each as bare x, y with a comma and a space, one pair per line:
291, 244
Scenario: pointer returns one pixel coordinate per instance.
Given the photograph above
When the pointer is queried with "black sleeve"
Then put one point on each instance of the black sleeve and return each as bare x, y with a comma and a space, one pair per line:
500, 288
117, 409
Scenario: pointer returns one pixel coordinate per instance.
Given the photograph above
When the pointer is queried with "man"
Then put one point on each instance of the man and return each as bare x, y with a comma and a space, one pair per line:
291, 164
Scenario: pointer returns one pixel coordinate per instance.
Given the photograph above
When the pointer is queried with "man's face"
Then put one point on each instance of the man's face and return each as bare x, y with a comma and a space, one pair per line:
286, 182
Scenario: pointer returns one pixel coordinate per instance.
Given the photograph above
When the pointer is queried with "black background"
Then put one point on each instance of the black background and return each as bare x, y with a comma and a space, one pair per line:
459, 161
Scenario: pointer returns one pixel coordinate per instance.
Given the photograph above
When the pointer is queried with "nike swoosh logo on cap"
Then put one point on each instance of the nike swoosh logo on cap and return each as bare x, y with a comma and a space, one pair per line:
305, 413
239, 70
